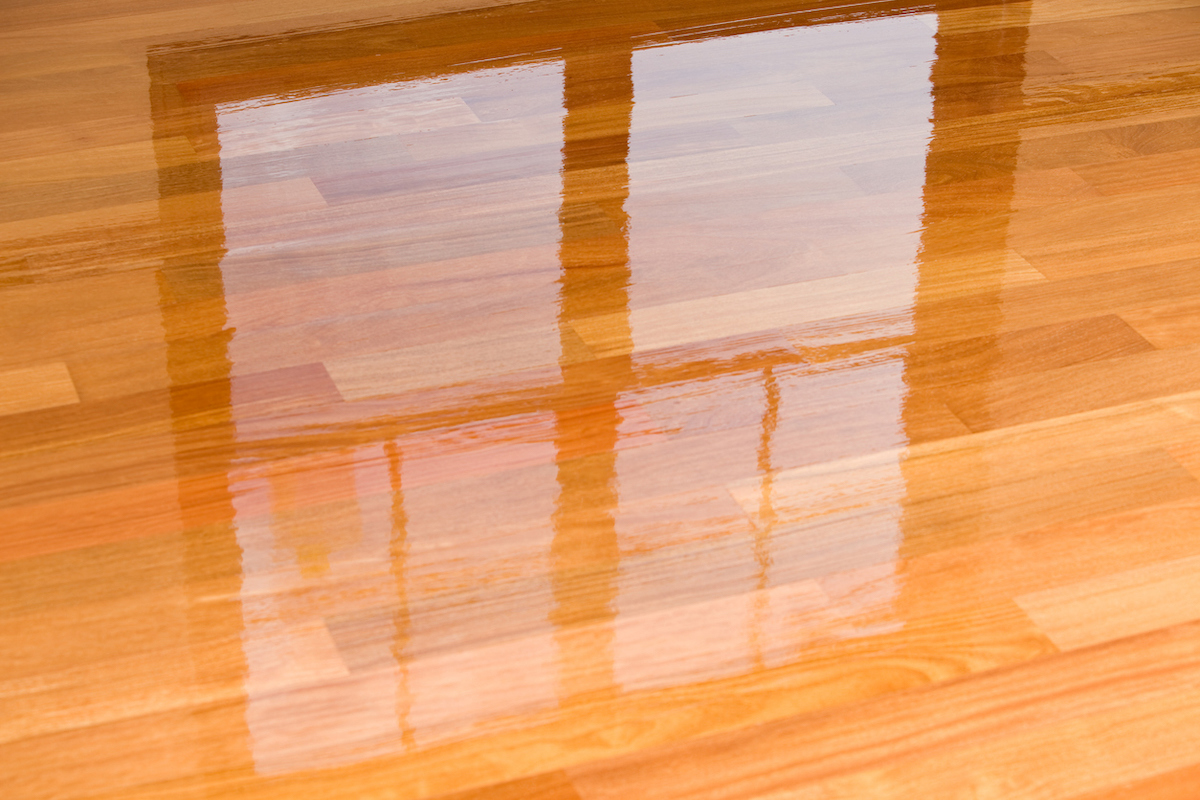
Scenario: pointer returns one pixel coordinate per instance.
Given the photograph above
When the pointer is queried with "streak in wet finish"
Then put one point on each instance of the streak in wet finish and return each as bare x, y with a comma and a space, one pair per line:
562, 401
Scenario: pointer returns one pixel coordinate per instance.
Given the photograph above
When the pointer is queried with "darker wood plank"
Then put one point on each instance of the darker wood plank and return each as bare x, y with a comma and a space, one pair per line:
1002, 401
1012, 353
551, 786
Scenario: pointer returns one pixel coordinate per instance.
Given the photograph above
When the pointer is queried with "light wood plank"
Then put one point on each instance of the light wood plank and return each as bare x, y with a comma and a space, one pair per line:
694, 321
33, 388
1116, 606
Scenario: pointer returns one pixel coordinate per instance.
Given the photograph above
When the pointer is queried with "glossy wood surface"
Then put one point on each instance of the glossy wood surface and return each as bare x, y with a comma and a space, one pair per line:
768, 400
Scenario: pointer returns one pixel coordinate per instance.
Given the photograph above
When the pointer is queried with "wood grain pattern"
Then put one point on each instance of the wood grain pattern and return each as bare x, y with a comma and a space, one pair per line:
471, 400
959, 743
1115, 606
33, 388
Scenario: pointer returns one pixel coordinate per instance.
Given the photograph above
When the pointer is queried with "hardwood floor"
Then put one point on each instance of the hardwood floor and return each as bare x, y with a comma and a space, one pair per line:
760, 400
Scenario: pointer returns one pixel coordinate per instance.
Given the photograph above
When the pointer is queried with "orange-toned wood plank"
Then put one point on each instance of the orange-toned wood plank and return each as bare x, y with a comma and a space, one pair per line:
1110, 233
1177, 784
31, 476
961, 509
1019, 352
1143, 174
50, 141
34, 388
1118, 605
91, 519
130, 753
1068, 734
35, 101
98, 162
965, 313
1149, 36
1074, 389
1033, 189
551, 786
1167, 325
1037, 559
108, 372
1110, 145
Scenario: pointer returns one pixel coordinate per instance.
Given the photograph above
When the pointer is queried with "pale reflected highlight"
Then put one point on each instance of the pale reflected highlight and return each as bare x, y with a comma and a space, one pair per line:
593, 549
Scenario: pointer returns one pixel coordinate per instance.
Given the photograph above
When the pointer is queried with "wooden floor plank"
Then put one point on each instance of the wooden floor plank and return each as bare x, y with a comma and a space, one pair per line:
1115, 606
34, 388
967, 737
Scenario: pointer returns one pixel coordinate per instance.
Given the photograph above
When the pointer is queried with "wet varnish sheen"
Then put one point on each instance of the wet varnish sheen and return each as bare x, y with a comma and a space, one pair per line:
600, 401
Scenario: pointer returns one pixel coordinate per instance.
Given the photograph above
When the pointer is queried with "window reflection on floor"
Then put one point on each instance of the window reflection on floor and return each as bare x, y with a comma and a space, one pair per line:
572, 574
